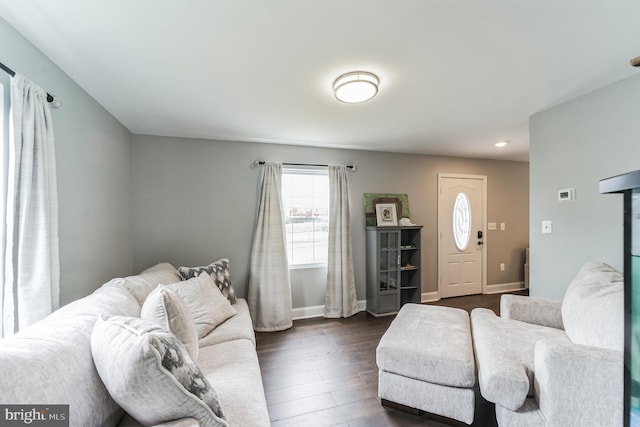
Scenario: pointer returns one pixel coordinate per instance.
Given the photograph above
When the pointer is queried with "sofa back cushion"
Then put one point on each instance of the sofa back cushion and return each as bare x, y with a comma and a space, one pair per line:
593, 307
142, 284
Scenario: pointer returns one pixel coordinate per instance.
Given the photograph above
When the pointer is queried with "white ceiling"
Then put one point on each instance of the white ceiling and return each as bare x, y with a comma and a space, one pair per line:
456, 75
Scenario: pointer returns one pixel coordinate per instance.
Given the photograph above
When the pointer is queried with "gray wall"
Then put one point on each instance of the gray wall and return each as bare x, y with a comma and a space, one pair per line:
195, 201
94, 175
576, 144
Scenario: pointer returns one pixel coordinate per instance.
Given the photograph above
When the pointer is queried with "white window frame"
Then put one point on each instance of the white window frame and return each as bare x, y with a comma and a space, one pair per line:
303, 170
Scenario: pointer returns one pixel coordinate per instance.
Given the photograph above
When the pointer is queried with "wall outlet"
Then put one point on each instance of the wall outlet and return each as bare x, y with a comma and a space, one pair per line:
503, 226
502, 266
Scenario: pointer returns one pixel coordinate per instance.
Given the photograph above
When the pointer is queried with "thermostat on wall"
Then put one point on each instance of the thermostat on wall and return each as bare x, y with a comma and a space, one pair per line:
567, 194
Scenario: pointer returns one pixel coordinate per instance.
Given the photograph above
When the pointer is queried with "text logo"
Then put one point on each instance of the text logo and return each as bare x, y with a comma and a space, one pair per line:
34, 415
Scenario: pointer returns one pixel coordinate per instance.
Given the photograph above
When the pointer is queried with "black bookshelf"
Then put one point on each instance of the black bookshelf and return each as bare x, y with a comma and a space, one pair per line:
628, 185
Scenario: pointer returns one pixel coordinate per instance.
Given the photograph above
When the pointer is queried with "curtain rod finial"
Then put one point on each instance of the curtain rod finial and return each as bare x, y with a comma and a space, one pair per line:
55, 102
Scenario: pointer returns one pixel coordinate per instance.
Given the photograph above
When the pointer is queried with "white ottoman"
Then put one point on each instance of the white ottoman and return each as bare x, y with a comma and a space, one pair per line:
426, 361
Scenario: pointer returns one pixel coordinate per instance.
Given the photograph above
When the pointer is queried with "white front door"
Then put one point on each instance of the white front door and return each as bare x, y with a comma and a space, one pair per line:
461, 212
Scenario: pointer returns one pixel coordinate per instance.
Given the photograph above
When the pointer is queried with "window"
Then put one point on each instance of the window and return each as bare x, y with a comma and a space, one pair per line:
462, 221
305, 199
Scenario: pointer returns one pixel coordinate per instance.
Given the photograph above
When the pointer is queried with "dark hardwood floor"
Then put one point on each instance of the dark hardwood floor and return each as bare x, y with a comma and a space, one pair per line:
322, 372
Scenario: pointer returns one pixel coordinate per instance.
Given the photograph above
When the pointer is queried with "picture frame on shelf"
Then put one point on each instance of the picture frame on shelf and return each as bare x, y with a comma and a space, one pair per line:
386, 215
372, 199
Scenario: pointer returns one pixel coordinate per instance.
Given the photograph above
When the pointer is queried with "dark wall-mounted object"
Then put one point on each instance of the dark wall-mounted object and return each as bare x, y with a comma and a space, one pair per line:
628, 185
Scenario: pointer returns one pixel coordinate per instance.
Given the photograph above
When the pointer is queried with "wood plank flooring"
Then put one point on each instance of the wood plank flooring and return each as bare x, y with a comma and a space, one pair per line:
322, 372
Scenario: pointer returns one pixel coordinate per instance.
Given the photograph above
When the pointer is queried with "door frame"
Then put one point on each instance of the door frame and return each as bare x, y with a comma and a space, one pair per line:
483, 178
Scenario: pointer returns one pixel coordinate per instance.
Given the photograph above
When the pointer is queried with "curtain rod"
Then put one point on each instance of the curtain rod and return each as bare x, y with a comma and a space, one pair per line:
50, 98
261, 162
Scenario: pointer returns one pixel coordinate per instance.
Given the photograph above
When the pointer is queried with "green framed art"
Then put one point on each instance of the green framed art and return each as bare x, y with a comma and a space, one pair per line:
372, 199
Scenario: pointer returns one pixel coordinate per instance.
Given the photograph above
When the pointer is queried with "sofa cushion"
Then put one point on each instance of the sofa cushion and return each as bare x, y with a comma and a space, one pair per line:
149, 373
593, 307
431, 344
166, 308
232, 368
220, 273
142, 284
505, 356
206, 303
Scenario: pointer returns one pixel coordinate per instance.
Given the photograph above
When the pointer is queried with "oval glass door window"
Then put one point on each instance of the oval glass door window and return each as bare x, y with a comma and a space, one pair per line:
462, 221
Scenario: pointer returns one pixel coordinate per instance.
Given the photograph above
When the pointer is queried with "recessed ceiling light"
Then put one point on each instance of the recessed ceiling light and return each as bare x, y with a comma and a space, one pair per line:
501, 144
356, 86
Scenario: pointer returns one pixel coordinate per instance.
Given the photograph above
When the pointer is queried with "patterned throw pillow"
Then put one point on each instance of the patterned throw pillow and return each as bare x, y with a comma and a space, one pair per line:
219, 272
149, 373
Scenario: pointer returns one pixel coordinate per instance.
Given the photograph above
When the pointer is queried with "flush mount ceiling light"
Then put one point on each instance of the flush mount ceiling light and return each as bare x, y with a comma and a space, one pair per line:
501, 144
355, 87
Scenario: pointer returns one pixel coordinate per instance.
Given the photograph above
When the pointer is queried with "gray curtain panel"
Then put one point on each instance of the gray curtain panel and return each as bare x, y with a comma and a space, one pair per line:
340, 298
31, 286
269, 283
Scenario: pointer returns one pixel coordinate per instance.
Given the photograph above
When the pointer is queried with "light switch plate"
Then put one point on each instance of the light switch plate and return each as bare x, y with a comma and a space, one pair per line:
547, 227
491, 226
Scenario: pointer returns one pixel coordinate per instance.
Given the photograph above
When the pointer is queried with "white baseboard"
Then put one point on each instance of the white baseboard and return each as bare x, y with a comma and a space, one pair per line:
499, 288
318, 310
430, 297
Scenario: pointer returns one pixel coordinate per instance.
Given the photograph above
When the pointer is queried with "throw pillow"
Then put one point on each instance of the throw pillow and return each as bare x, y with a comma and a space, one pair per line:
593, 307
166, 308
219, 272
207, 305
149, 373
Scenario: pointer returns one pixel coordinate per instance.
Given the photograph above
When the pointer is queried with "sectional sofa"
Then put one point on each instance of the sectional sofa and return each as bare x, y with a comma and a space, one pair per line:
543, 363
110, 351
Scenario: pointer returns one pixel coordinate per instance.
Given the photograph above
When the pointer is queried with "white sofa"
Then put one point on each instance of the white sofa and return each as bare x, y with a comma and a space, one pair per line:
552, 363
51, 361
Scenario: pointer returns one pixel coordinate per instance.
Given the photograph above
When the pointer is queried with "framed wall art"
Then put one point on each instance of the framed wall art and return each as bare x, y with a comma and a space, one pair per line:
372, 199
386, 215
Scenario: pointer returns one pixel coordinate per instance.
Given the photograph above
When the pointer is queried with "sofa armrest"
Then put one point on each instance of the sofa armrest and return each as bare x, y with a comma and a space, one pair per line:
578, 385
539, 311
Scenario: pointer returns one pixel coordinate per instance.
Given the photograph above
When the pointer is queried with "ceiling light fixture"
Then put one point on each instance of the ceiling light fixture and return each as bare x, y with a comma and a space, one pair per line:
501, 144
356, 86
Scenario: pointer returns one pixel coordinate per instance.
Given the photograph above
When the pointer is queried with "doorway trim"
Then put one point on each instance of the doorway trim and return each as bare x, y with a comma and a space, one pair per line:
442, 176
